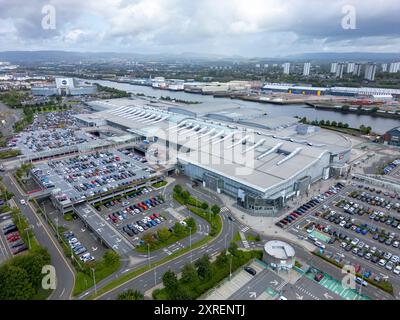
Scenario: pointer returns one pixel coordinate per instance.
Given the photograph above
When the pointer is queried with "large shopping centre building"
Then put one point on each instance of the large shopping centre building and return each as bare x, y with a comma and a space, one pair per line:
241, 152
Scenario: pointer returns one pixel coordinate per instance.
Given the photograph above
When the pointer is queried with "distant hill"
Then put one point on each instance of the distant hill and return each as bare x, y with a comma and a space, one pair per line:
72, 56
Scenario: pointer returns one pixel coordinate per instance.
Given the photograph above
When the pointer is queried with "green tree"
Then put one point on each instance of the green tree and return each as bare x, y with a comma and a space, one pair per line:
340, 124
111, 257
191, 223
130, 295
204, 205
15, 284
178, 229
215, 209
33, 263
170, 281
322, 122
178, 189
163, 234
204, 267
189, 274
334, 124
222, 259
328, 123
233, 249
185, 195
148, 238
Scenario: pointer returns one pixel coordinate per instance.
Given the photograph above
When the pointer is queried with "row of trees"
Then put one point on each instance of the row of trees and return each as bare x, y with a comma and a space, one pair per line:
165, 236
188, 199
202, 275
363, 129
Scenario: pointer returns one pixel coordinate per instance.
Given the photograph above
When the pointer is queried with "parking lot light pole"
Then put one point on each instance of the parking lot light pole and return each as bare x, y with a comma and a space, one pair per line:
148, 253
29, 238
94, 281
190, 244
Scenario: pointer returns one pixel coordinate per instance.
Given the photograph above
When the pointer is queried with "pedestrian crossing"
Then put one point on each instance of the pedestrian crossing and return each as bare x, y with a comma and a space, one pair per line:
224, 209
280, 287
244, 241
301, 289
245, 229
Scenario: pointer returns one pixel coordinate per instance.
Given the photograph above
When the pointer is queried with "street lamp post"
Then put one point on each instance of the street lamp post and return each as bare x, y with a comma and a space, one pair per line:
190, 244
148, 253
29, 238
94, 280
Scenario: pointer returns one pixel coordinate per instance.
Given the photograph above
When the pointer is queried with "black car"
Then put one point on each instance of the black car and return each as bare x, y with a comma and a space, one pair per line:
374, 259
348, 247
10, 230
278, 224
19, 249
250, 270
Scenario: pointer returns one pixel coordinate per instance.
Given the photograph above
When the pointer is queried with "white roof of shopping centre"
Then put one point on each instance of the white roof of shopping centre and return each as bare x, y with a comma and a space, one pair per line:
256, 157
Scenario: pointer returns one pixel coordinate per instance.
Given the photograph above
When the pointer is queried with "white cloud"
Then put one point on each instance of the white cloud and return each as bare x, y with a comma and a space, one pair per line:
249, 27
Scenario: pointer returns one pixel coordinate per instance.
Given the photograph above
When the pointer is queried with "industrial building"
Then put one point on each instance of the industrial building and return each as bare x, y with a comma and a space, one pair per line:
64, 87
235, 151
337, 91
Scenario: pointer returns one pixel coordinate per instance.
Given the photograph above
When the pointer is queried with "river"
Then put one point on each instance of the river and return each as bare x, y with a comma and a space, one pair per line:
378, 125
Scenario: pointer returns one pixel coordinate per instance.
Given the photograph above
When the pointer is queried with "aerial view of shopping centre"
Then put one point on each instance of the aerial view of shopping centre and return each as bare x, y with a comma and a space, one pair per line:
146, 177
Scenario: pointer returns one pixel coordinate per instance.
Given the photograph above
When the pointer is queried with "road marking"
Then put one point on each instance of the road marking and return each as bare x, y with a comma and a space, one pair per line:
245, 229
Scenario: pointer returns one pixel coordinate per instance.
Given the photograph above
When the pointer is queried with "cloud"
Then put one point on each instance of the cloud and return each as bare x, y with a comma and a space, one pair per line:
247, 27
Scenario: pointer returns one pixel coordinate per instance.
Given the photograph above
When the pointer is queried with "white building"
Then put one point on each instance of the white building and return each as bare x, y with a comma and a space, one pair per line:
357, 69
339, 70
384, 67
306, 69
370, 70
286, 68
334, 67
394, 67
350, 67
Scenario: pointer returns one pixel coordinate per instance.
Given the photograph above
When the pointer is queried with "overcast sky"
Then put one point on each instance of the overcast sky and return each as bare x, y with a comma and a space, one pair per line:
263, 28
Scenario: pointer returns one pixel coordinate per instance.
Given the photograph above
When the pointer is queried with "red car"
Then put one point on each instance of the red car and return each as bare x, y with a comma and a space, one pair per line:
318, 277
294, 214
12, 235
14, 238
114, 219
152, 217
156, 215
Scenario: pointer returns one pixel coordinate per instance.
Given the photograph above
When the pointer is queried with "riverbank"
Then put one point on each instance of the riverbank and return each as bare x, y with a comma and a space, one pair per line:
378, 124
372, 113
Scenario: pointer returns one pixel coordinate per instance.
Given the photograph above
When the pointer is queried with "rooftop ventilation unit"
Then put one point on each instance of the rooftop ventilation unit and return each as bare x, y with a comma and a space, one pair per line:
291, 155
239, 142
224, 138
214, 136
254, 146
272, 150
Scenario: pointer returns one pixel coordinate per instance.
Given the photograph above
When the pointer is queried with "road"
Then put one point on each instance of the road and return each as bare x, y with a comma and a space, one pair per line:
153, 277
64, 271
